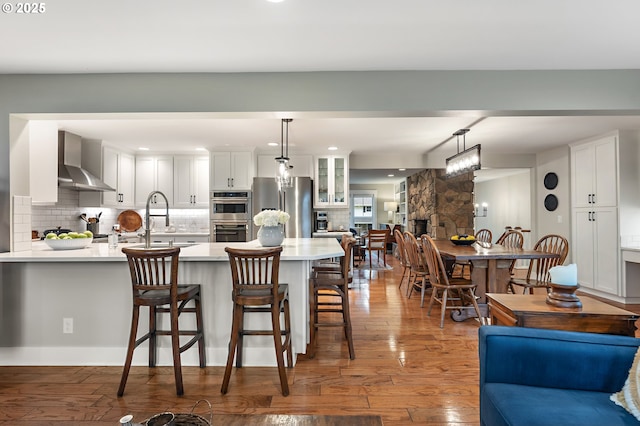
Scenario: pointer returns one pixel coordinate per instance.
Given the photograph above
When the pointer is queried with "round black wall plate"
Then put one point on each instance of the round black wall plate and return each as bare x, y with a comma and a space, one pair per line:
550, 180
550, 202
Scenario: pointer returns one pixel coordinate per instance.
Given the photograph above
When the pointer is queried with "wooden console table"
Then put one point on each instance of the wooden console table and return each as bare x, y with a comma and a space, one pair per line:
531, 310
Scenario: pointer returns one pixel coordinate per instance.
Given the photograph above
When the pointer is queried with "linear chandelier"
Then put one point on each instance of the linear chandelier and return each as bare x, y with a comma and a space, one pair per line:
283, 172
466, 161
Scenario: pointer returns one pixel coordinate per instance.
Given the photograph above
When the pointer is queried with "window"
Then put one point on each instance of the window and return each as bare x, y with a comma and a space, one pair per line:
363, 210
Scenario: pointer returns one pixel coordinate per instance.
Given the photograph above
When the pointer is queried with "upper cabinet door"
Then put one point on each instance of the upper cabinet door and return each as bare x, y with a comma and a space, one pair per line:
220, 170
191, 181
332, 181
110, 176
241, 170
594, 169
126, 179
201, 182
232, 170
154, 173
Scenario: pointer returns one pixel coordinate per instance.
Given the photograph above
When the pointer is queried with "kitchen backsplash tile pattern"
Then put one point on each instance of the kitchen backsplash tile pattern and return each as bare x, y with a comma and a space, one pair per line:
66, 214
338, 217
21, 217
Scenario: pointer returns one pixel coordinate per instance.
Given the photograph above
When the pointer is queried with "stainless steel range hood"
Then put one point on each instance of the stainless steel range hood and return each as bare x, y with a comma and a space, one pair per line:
70, 172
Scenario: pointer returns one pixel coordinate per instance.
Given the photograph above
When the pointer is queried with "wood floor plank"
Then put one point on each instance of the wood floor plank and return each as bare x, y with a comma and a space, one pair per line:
407, 370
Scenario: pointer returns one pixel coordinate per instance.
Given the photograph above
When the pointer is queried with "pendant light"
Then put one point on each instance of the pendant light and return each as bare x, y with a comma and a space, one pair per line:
466, 161
283, 172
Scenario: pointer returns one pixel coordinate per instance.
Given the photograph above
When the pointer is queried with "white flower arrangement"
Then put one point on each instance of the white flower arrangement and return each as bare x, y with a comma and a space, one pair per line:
270, 218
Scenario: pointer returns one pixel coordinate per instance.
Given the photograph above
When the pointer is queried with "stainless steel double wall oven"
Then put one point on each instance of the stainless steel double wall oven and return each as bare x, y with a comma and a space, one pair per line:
230, 215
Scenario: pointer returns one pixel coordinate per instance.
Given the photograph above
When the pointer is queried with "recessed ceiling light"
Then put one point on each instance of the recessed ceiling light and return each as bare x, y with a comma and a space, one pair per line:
401, 170
333, 148
391, 175
273, 144
200, 149
143, 148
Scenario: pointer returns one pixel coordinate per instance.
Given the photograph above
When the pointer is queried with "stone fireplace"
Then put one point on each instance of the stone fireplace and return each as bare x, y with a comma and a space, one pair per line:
444, 205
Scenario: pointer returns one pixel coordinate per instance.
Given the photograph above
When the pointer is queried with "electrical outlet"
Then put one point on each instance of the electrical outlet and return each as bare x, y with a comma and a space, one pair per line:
67, 325
559, 218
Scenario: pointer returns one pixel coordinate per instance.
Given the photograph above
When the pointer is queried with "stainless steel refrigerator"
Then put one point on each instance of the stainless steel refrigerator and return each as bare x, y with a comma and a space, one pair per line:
297, 201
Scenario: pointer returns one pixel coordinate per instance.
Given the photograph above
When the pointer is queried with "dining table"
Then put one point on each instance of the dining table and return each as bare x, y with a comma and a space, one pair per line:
491, 267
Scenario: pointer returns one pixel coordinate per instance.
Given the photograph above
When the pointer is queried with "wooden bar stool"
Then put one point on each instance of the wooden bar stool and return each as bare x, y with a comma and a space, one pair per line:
254, 274
154, 279
325, 286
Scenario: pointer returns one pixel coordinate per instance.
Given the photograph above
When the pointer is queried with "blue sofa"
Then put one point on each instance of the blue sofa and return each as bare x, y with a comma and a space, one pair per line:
534, 377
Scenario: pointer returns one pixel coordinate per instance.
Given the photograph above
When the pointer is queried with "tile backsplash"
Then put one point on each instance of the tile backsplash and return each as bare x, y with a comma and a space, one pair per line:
66, 214
21, 218
338, 217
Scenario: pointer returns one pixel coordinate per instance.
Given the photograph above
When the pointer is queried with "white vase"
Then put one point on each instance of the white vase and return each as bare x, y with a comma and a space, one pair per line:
271, 236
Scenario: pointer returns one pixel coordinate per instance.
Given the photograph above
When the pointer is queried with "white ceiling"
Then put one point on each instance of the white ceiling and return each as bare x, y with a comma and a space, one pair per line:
80, 36
321, 35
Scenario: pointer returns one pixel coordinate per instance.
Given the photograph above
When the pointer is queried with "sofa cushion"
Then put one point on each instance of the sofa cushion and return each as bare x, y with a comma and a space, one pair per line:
511, 404
629, 396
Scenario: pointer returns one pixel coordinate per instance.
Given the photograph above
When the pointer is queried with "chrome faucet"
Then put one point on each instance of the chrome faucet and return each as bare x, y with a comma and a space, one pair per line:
147, 231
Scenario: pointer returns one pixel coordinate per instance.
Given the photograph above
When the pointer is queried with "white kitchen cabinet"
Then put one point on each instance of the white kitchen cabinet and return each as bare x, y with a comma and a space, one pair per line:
595, 248
154, 173
191, 181
332, 181
117, 169
232, 170
594, 169
605, 204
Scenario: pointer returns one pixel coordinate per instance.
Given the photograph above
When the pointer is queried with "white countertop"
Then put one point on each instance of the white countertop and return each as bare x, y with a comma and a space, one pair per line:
293, 249
329, 234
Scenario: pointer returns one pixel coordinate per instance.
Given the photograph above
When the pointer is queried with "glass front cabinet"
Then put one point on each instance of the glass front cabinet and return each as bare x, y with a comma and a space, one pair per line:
332, 181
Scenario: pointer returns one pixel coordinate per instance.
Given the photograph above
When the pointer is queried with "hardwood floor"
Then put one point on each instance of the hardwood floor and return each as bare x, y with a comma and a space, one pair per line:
407, 370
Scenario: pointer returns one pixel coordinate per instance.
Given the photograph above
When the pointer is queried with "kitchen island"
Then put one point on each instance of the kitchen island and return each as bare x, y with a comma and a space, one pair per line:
92, 287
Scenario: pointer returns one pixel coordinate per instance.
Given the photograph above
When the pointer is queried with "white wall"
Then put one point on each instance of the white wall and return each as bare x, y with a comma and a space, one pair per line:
509, 203
559, 220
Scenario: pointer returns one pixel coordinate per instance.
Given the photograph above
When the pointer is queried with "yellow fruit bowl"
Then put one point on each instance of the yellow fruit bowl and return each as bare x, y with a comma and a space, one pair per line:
70, 244
456, 239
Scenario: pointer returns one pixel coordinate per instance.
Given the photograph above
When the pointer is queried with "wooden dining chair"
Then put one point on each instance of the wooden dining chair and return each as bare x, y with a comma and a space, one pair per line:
154, 281
538, 273
447, 291
483, 236
511, 239
419, 278
377, 242
329, 295
256, 289
402, 255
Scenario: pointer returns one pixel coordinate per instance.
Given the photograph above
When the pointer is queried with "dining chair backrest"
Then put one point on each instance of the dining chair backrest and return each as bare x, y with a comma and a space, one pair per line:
402, 253
414, 255
377, 239
552, 243
254, 269
511, 239
347, 242
484, 235
155, 269
434, 263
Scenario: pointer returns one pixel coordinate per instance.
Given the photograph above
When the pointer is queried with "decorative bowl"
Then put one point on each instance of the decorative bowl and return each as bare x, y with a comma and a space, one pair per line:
459, 242
72, 244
